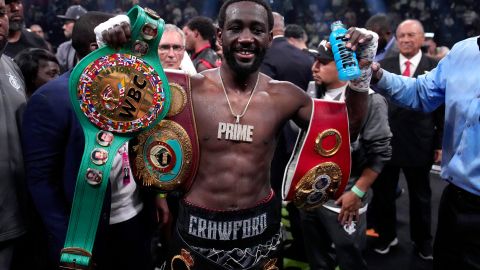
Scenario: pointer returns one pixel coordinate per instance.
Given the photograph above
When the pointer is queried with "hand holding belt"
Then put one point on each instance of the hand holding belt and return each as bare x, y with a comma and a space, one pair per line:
320, 164
115, 95
165, 158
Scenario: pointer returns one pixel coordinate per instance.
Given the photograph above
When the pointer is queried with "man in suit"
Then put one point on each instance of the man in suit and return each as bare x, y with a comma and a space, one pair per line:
285, 62
416, 144
296, 36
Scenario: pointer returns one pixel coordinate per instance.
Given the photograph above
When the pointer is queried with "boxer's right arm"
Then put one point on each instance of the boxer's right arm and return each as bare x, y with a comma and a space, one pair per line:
115, 32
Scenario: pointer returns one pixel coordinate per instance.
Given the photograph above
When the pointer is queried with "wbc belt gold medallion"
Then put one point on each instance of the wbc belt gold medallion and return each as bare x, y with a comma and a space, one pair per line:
120, 93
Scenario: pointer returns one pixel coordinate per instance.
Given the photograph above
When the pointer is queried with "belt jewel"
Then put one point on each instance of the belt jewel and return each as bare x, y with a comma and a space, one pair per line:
115, 95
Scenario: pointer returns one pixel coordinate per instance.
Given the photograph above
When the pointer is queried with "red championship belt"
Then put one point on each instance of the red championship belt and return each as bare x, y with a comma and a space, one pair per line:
320, 164
166, 157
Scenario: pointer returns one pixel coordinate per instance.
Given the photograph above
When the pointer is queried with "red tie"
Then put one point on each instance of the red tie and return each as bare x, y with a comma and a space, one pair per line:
406, 72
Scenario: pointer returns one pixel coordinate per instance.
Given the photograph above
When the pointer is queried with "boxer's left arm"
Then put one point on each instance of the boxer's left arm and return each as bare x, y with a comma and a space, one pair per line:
364, 43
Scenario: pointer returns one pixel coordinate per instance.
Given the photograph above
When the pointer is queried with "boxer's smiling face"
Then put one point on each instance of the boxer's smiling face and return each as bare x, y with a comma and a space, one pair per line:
245, 36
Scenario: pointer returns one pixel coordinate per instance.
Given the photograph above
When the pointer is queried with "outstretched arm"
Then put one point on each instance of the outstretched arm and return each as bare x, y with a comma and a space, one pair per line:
424, 93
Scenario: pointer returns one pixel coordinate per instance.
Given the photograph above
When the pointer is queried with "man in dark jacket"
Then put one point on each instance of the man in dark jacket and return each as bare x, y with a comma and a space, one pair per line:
199, 41
416, 144
285, 62
19, 38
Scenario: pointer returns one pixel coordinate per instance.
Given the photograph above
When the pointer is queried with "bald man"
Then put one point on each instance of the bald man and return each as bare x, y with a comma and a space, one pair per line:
416, 144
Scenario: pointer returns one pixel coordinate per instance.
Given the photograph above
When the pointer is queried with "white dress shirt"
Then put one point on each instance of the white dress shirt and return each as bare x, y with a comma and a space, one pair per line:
414, 61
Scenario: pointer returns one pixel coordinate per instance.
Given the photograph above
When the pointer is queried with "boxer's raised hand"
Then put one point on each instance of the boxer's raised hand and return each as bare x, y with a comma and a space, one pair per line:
115, 32
364, 43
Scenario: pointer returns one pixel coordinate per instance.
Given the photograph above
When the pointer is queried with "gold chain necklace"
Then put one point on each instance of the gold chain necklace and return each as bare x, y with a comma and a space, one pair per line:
238, 116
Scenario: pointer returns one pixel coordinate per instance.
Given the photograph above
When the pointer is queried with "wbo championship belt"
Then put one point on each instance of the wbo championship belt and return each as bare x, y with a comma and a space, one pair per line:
319, 167
115, 95
166, 157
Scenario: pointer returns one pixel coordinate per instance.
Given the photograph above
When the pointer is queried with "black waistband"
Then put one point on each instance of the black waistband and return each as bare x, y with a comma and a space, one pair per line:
228, 229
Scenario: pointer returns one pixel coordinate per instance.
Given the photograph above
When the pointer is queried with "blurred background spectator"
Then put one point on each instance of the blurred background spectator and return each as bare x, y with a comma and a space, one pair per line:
19, 38
451, 21
66, 54
431, 48
38, 66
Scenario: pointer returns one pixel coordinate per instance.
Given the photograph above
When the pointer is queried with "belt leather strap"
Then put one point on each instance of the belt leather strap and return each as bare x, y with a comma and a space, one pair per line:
166, 157
319, 168
115, 95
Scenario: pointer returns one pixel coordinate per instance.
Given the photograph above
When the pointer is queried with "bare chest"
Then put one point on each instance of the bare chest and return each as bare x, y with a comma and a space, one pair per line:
217, 124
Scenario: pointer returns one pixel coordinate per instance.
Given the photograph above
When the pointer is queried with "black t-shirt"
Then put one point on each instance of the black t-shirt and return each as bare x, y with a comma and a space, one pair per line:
27, 40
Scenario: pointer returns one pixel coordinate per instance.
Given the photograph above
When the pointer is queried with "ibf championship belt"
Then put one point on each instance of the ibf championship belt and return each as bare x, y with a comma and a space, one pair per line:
320, 164
115, 95
165, 158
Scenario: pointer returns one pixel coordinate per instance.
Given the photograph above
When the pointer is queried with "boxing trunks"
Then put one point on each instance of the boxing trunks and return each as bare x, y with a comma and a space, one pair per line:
209, 239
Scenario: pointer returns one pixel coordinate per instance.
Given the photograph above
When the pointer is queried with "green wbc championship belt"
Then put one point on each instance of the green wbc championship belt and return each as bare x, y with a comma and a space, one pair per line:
115, 95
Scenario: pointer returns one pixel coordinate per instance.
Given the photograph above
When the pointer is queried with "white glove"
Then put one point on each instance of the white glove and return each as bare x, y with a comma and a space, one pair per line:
367, 52
110, 23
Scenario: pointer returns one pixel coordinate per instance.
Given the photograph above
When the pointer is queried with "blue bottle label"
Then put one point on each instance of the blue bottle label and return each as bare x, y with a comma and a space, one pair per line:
345, 59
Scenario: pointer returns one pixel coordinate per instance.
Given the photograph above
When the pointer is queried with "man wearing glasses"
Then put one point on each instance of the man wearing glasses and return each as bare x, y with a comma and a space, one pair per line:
171, 50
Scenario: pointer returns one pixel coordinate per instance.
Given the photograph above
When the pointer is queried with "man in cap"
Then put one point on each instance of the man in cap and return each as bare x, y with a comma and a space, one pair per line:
65, 52
334, 236
19, 38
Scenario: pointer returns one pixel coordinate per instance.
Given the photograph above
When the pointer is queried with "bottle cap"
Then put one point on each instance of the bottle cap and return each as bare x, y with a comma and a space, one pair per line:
336, 24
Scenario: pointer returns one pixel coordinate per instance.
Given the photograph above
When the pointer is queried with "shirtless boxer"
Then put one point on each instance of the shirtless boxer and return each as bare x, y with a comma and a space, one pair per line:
227, 219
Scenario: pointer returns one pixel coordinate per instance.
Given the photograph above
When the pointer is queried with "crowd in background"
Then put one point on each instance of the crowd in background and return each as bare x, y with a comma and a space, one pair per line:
305, 23
451, 21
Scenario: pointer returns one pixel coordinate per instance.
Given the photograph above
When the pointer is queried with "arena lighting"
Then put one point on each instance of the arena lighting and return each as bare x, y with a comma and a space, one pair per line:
376, 6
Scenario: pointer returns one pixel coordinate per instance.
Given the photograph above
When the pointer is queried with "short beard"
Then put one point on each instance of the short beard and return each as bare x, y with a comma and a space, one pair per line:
15, 26
321, 90
243, 71
3, 44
